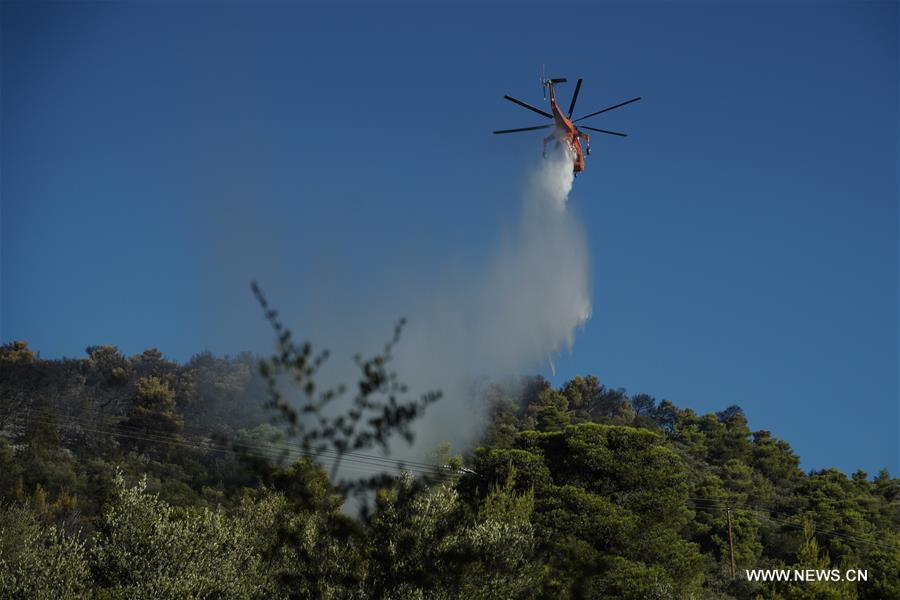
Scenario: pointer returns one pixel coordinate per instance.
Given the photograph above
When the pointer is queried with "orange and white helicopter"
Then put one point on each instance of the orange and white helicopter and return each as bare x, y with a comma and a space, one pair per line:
564, 129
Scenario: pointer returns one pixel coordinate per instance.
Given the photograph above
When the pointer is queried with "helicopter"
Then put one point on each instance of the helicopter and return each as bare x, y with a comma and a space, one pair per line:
564, 129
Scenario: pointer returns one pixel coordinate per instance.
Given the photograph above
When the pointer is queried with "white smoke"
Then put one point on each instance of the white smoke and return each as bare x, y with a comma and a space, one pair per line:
511, 318
511, 315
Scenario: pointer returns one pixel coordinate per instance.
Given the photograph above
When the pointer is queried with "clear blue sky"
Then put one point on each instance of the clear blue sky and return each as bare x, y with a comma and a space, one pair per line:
744, 238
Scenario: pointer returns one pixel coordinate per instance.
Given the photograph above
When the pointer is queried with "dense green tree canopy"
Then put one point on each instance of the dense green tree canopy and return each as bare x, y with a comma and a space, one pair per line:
137, 477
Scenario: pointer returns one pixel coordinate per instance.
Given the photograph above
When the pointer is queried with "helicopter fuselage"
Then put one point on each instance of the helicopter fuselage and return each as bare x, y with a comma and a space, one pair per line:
566, 133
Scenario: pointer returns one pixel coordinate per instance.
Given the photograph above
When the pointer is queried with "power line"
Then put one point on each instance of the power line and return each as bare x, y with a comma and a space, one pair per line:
357, 461
85, 422
368, 463
766, 513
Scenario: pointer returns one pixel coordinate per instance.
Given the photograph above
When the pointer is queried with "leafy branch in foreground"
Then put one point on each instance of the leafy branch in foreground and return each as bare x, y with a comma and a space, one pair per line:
376, 412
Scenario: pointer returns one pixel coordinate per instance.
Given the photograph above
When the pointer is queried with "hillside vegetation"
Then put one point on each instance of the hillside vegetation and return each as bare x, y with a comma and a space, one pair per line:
137, 477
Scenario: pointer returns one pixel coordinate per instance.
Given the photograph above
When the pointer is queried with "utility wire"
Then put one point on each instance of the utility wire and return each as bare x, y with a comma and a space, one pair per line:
364, 463
280, 444
713, 504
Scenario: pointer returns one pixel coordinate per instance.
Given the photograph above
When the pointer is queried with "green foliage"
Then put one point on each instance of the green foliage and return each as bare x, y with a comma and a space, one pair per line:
145, 548
576, 491
16, 353
550, 411
600, 492
153, 421
314, 548
425, 545
107, 364
39, 562
10, 468
809, 556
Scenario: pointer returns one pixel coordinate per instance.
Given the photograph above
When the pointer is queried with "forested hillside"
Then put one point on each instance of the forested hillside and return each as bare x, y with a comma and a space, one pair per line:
137, 477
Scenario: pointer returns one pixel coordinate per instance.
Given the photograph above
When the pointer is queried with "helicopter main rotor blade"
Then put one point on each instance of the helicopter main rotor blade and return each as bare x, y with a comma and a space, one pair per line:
575, 96
529, 107
606, 109
524, 129
604, 131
